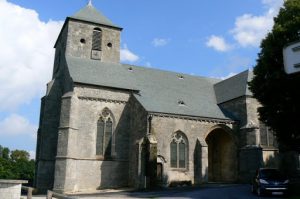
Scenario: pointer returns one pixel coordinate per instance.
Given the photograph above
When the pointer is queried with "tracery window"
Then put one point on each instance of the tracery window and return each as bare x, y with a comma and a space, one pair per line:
179, 150
104, 134
97, 37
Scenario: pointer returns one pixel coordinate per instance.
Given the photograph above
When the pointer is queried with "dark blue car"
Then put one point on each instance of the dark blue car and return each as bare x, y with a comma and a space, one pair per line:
269, 181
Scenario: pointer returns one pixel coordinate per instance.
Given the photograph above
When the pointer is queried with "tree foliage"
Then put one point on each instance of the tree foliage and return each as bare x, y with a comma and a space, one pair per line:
16, 165
278, 92
19, 155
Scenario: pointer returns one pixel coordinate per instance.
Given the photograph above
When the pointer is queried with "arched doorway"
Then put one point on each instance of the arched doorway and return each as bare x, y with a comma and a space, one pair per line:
222, 160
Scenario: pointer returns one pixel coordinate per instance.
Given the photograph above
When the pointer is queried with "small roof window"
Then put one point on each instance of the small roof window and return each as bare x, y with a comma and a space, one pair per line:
130, 69
181, 103
180, 76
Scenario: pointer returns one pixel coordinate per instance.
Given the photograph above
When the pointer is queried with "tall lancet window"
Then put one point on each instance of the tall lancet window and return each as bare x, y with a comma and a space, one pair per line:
96, 43
104, 134
179, 150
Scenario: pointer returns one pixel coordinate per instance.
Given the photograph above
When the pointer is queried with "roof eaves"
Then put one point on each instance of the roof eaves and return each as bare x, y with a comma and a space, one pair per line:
193, 117
104, 86
95, 23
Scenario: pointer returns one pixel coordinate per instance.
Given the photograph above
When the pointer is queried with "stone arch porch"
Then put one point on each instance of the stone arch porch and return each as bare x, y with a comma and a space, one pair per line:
215, 156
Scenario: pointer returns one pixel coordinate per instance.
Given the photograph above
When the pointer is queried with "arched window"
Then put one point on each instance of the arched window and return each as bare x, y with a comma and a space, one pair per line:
97, 37
179, 150
104, 134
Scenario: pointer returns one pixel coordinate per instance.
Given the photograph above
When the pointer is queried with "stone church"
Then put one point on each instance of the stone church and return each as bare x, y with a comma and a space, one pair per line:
104, 124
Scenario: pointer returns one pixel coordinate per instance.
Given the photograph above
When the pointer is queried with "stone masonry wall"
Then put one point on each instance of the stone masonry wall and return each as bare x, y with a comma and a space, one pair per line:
242, 109
47, 137
250, 154
77, 165
10, 189
82, 30
50, 117
196, 132
138, 131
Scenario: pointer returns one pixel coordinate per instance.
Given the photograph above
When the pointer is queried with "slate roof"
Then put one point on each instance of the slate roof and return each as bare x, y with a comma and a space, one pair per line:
91, 14
233, 87
159, 91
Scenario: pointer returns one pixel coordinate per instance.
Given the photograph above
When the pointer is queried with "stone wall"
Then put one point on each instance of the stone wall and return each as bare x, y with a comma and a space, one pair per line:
138, 131
196, 132
76, 152
47, 134
47, 137
83, 30
11, 189
251, 153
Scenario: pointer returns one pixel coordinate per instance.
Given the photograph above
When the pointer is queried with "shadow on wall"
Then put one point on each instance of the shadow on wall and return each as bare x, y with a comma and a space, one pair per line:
114, 168
198, 166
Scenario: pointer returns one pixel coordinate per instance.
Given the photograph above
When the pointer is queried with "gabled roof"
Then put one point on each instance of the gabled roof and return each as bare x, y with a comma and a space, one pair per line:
159, 91
90, 14
233, 87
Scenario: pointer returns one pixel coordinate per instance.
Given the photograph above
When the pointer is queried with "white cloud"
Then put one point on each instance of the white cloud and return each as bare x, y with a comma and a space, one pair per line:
159, 42
127, 55
228, 75
31, 155
249, 29
15, 125
218, 43
26, 54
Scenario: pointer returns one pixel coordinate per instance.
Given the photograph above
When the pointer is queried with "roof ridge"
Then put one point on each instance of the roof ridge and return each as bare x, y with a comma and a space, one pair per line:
171, 72
234, 76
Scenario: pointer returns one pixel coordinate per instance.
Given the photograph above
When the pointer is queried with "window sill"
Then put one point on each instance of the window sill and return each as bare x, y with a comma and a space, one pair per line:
179, 169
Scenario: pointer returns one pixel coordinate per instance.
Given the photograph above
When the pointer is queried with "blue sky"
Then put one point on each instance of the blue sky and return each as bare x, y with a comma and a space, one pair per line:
213, 38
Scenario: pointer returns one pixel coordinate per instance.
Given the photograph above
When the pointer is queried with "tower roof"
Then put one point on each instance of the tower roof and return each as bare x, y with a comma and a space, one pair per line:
90, 14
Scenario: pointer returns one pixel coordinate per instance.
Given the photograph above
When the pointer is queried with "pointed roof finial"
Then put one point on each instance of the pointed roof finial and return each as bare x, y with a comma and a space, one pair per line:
90, 3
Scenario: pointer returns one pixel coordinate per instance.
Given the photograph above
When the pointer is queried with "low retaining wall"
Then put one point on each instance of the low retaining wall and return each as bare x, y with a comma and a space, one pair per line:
11, 188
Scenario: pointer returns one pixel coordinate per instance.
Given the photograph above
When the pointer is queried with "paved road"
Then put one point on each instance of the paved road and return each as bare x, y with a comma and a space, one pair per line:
209, 192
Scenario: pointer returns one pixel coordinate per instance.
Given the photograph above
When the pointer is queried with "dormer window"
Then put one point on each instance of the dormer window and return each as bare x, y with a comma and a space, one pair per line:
181, 103
180, 76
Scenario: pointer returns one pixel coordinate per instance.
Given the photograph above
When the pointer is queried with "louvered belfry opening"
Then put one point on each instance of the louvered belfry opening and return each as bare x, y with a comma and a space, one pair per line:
97, 34
96, 44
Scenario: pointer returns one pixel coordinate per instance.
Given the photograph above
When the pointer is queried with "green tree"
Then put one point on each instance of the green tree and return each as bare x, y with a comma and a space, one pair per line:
278, 92
5, 153
19, 155
1, 149
16, 165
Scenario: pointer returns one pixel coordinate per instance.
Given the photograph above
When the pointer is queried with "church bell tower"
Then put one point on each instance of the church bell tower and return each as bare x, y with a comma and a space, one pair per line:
89, 34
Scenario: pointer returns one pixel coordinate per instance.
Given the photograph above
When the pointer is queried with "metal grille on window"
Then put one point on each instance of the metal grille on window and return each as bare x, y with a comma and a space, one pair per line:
96, 44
